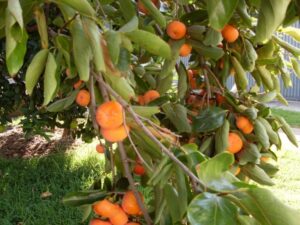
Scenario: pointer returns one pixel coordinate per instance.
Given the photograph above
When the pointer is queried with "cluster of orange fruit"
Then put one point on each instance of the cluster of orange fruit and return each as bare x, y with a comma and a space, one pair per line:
110, 117
83, 97
115, 213
149, 96
235, 141
177, 30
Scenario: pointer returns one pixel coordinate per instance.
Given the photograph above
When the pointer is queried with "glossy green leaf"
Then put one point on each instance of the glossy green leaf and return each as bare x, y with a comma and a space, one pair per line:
132, 25
266, 77
212, 37
266, 97
257, 174
94, 36
83, 197
172, 198
146, 111
113, 40
249, 153
155, 13
35, 69
150, 42
221, 137
211, 52
177, 114
82, 6
296, 67
273, 136
51, 81
208, 209
62, 104
127, 9
209, 119
220, 12
292, 31
81, 50
182, 81
287, 130
240, 76
121, 86
266, 208
261, 134
42, 26
249, 56
271, 14
214, 172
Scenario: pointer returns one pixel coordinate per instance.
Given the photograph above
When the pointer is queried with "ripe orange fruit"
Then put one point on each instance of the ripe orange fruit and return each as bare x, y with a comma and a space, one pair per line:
220, 99
105, 208
235, 143
119, 217
142, 8
130, 204
99, 222
176, 30
230, 33
115, 134
151, 95
109, 115
132, 223
83, 98
139, 169
77, 84
237, 172
244, 124
185, 50
100, 148
141, 100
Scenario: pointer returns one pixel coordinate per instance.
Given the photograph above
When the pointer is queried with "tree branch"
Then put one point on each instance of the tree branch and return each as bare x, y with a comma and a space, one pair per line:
131, 182
148, 132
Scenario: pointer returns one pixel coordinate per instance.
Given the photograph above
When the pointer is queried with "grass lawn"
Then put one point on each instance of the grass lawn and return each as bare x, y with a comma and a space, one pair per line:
292, 117
22, 181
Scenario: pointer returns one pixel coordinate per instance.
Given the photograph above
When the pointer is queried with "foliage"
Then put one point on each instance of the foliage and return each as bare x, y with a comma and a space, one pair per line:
183, 147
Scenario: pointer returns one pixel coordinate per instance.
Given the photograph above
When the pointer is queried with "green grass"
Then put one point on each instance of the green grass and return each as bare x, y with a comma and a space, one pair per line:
23, 180
292, 117
287, 180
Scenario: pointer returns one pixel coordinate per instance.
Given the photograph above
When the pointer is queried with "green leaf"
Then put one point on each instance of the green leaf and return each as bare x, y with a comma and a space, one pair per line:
146, 111
82, 6
208, 51
35, 69
249, 56
50, 79
240, 76
127, 9
121, 86
16, 39
178, 115
296, 67
209, 119
266, 208
172, 198
14, 7
287, 130
42, 26
266, 97
214, 172
266, 77
273, 136
257, 174
86, 210
261, 134
94, 36
292, 31
212, 37
208, 209
155, 13
220, 12
113, 40
221, 138
249, 153
62, 104
132, 25
182, 81
151, 42
271, 15
81, 50
83, 197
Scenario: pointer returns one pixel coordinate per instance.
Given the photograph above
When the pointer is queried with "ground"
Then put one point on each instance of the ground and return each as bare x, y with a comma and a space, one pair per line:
35, 175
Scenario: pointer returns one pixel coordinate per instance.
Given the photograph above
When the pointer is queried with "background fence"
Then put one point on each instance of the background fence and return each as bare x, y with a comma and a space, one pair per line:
292, 93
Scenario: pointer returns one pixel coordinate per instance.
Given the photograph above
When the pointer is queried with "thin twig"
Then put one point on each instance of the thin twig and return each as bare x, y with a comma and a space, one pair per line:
93, 104
103, 90
150, 135
214, 76
67, 23
131, 182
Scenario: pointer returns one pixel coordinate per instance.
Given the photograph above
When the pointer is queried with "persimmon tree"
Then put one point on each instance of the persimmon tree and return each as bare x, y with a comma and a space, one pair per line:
175, 132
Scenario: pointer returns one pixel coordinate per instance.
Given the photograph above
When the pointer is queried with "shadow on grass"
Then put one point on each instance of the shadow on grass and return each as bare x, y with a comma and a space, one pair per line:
22, 181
